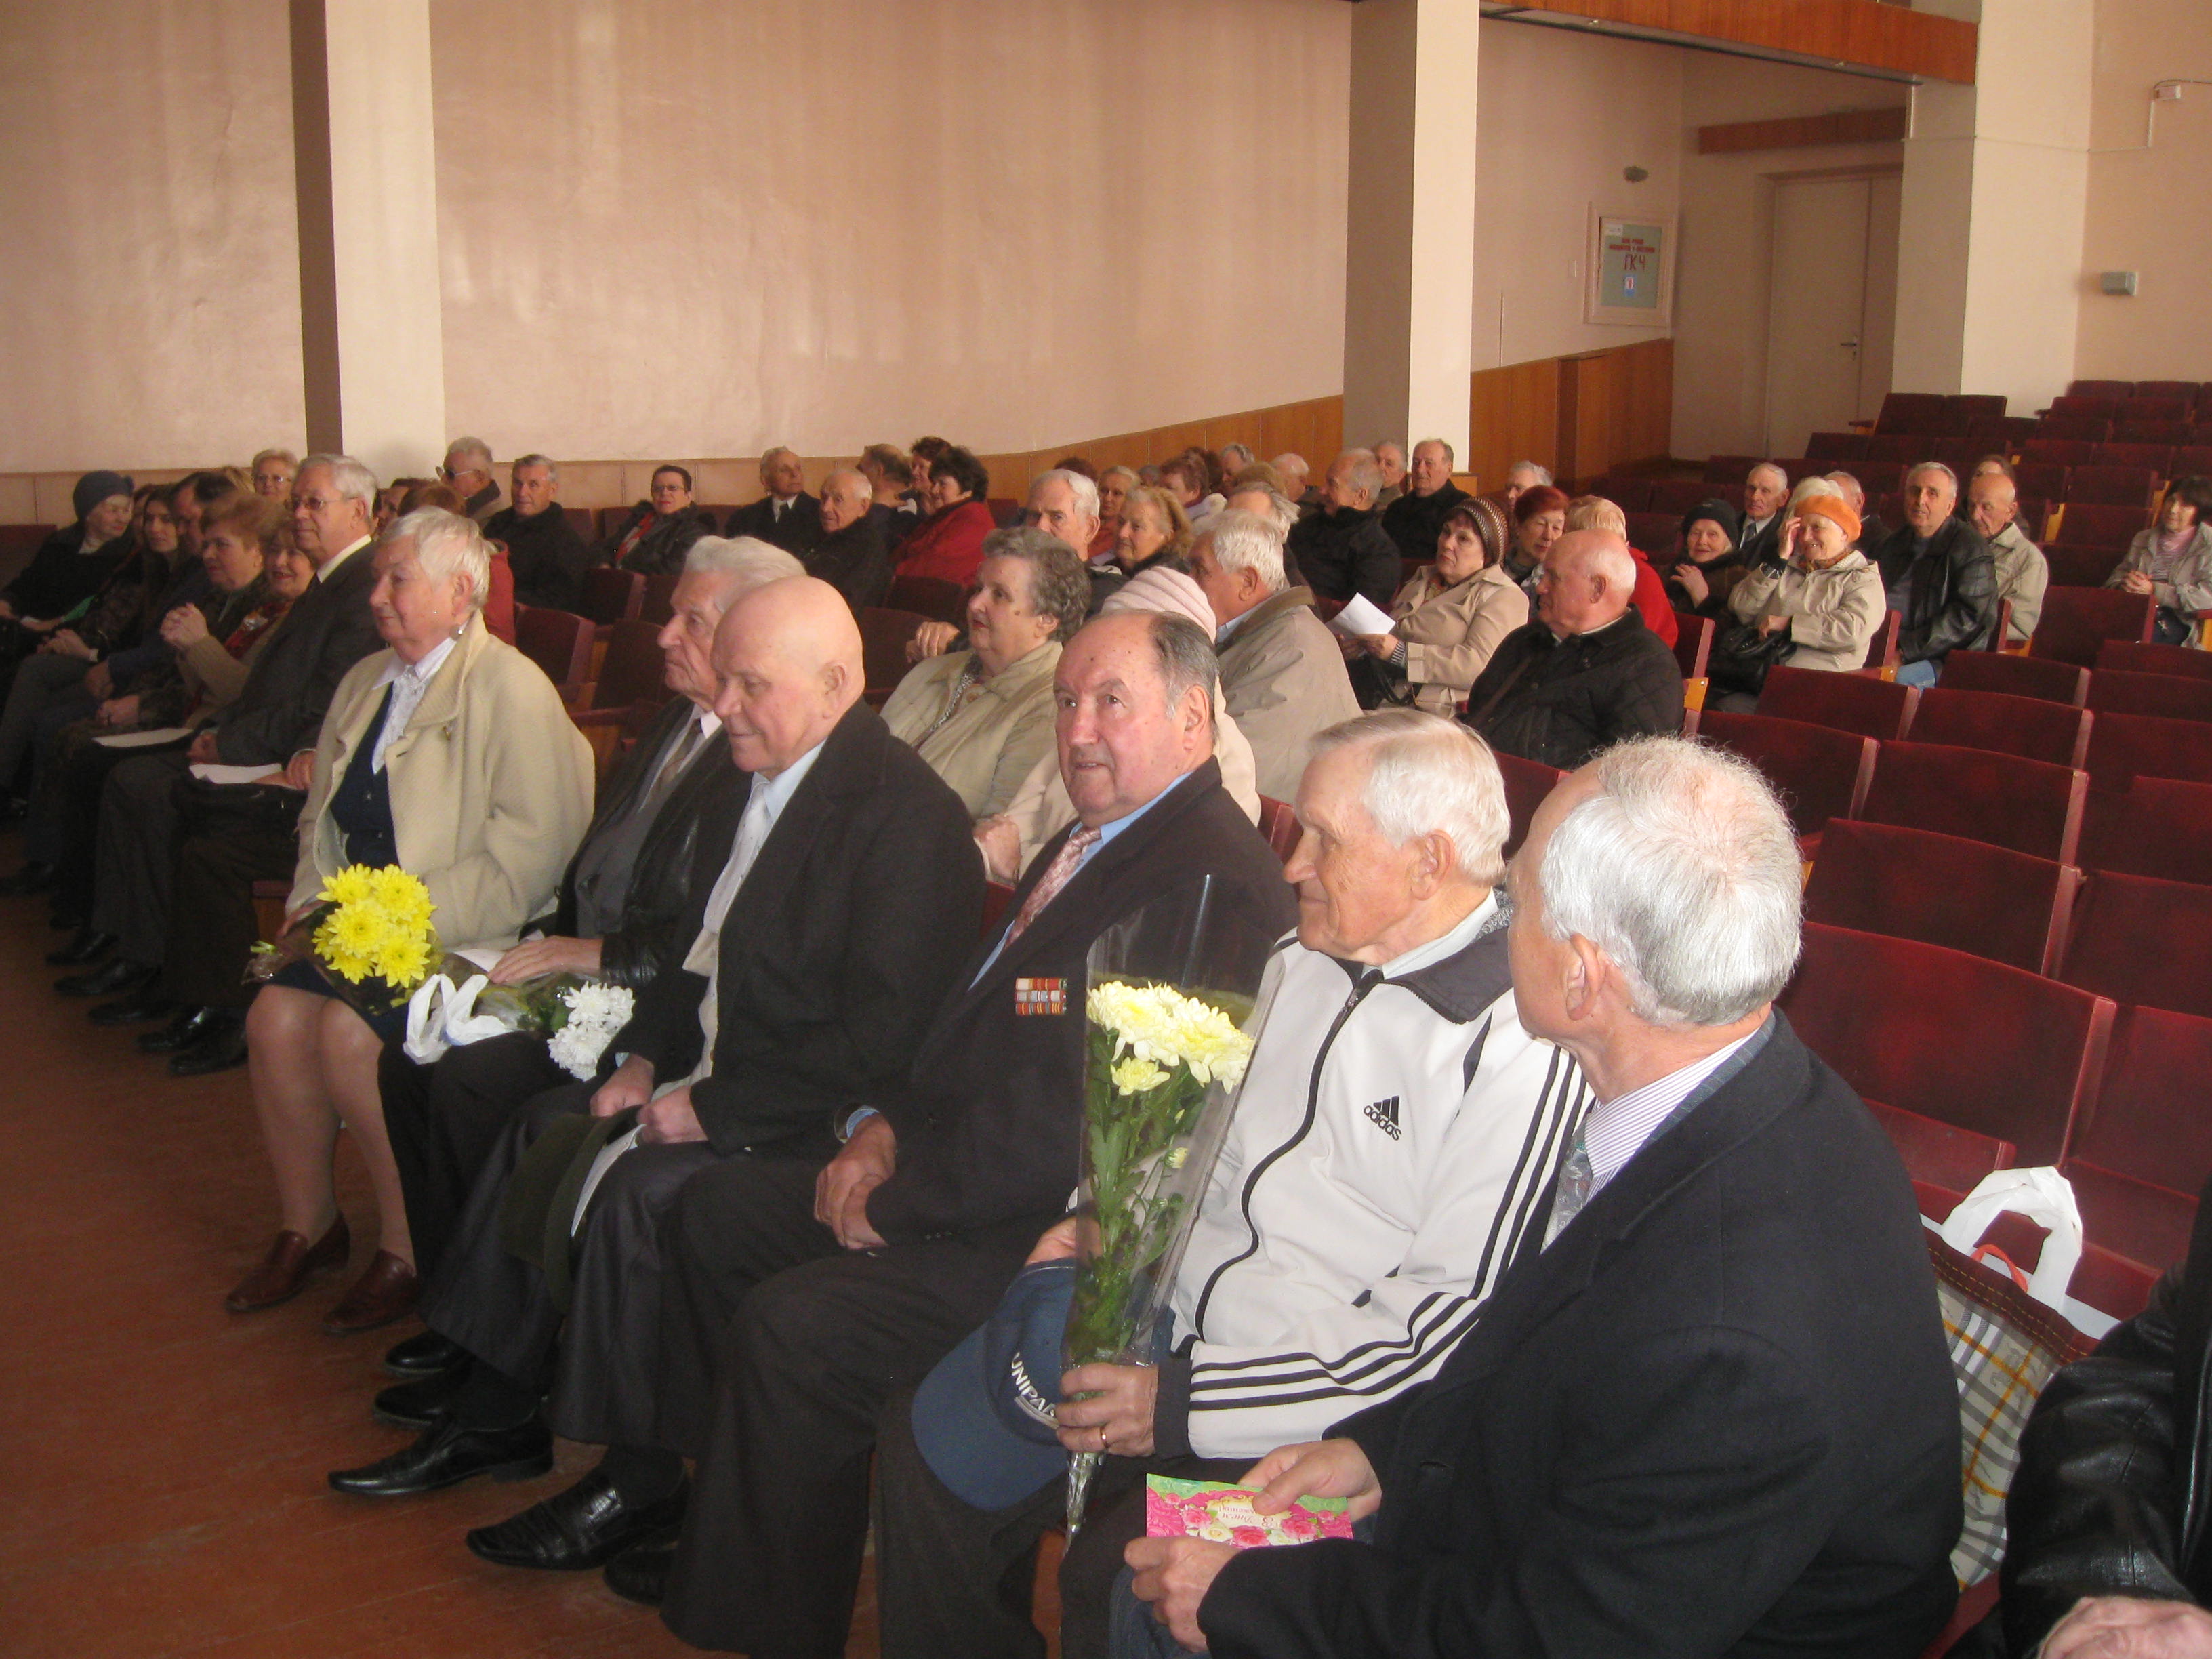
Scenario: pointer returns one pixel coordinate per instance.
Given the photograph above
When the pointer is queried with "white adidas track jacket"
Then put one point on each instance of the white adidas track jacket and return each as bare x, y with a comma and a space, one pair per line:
1395, 1138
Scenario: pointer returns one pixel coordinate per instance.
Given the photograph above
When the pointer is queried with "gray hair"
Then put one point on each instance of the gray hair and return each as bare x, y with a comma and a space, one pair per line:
1426, 774
1289, 462
1366, 473
1086, 493
1919, 467
769, 455
1812, 484
755, 563
1280, 507
1185, 656
860, 480
1543, 474
1232, 467
1245, 541
1849, 483
352, 481
1060, 586
1128, 474
1451, 456
283, 455
1683, 870
1780, 473
552, 468
474, 449
447, 544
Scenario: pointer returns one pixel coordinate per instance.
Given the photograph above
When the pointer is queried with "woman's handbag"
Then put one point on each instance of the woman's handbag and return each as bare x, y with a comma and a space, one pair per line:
1741, 655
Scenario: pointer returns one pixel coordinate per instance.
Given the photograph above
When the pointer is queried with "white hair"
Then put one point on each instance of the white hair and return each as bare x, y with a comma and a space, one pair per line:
748, 557
283, 455
1812, 484
1128, 474
1541, 474
1427, 774
1919, 467
1232, 467
552, 467
1605, 554
1451, 456
1085, 492
1683, 870
860, 479
352, 481
447, 544
1245, 541
1597, 513
1289, 462
1768, 466
1850, 484
473, 449
780, 449
1364, 472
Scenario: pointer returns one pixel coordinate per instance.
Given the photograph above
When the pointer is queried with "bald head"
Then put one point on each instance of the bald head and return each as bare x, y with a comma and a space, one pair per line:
789, 656
1588, 580
1992, 501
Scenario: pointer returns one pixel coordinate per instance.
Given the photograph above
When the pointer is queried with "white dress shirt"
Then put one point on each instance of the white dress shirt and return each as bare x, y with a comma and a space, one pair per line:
408, 681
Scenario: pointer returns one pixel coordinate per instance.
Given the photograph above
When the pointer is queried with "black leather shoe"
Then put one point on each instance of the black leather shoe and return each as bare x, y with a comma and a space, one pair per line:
642, 1576
88, 946
585, 1526
424, 1354
220, 1048
31, 878
119, 978
137, 1009
419, 1404
447, 1454
185, 1027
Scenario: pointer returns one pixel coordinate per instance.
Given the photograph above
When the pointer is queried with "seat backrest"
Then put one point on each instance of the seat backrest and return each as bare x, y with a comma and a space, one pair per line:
558, 642
1693, 642
2116, 390
2043, 479
2034, 728
658, 605
1877, 709
2142, 941
610, 594
2078, 567
2147, 1126
1835, 447
2084, 523
2114, 486
1881, 650
2030, 806
1902, 448
1728, 469
1527, 783
2132, 657
2125, 746
933, 597
1821, 772
2144, 406
2130, 1218
1629, 494
2172, 696
1952, 1037
1909, 411
2076, 621
1279, 822
1655, 533
1679, 495
2192, 459
633, 671
2023, 677
2126, 453
2155, 827
1878, 477
998, 898
1963, 407
2185, 390
2090, 429
1943, 890
585, 521
1942, 1154
885, 632
2084, 404
2164, 434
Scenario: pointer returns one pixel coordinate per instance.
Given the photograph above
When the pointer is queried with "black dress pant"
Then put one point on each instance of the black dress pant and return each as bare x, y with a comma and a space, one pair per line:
64, 829
135, 854
212, 927
801, 1362
954, 1579
445, 1119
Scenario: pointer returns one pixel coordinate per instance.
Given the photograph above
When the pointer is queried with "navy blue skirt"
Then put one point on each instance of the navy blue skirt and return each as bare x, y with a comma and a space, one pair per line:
306, 977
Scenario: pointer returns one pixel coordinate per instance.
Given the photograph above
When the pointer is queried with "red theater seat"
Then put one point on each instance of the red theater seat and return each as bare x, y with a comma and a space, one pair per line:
2129, 657
1943, 890
1876, 708
2055, 733
1821, 773
2123, 747
2169, 696
2029, 806
2143, 942
2140, 1161
1527, 783
2158, 827
2076, 621
2020, 677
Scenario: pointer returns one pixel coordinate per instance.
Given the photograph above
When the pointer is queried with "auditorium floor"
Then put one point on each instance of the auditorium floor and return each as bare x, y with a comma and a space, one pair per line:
166, 1458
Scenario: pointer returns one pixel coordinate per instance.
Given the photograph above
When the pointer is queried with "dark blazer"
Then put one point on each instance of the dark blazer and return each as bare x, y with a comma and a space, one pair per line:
1561, 701
1343, 553
1716, 1417
1764, 543
1953, 605
800, 528
700, 812
661, 550
987, 1127
854, 561
2115, 1476
547, 556
280, 710
849, 930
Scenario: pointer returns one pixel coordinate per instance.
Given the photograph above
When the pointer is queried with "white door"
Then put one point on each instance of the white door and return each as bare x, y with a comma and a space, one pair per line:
1816, 314
1879, 319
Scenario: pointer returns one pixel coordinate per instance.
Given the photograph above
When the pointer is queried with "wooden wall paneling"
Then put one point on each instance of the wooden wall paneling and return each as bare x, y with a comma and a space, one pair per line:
593, 483
1513, 415
1851, 127
19, 499
1862, 31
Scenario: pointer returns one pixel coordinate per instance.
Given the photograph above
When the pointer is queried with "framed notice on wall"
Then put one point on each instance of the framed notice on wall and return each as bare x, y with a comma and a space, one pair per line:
1632, 269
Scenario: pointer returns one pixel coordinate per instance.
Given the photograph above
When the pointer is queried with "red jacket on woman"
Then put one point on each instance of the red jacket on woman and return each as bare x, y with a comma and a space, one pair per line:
948, 544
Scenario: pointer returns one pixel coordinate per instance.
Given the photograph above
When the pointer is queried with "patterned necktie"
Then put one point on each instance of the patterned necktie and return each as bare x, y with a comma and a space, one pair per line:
1575, 1177
1057, 875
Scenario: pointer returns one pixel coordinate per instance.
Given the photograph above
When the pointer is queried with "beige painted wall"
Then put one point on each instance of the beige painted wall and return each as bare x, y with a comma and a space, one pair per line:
2148, 211
1728, 206
146, 184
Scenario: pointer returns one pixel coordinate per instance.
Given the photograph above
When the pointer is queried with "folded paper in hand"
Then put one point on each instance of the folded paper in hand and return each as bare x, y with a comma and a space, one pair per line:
1361, 615
208, 772
143, 739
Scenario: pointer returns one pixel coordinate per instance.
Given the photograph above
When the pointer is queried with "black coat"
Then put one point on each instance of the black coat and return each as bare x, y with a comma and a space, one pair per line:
849, 930
1414, 522
2115, 1475
697, 816
988, 1127
329, 628
547, 556
1953, 605
1561, 701
1342, 553
854, 561
661, 550
798, 532
1717, 1416
58, 578
1763, 545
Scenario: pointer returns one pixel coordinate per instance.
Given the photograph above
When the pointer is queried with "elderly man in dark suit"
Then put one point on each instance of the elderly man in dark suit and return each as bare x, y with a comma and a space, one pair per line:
798, 1303
272, 726
785, 516
818, 948
622, 918
1710, 1410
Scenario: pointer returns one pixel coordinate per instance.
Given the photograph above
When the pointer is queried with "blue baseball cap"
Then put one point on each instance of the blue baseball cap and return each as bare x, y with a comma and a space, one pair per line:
983, 1419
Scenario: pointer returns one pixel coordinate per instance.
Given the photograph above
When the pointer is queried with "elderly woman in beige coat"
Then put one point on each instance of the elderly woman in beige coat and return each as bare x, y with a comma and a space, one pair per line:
1447, 620
448, 754
1827, 595
981, 717
1040, 808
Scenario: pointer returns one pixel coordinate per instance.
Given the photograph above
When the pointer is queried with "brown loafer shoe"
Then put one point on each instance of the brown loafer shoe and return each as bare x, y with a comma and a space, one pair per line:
290, 1263
382, 1296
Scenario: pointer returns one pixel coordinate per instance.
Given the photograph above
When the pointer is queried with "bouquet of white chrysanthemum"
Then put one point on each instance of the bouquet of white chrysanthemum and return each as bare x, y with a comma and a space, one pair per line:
1170, 1025
594, 1013
459, 1005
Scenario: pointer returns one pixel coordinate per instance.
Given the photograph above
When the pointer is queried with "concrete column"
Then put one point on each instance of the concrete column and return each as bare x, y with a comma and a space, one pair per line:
1989, 238
1409, 256
366, 168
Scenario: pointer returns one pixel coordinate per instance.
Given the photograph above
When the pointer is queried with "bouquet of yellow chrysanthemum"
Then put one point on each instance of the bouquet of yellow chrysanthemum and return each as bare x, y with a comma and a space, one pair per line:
368, 932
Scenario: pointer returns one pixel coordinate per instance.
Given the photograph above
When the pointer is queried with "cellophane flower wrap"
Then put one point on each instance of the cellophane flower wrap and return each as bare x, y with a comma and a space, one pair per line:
1171, 1020
368, 932
577, 1016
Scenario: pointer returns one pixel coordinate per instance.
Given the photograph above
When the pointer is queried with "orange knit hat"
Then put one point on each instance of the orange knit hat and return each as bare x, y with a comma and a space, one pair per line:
1833, 509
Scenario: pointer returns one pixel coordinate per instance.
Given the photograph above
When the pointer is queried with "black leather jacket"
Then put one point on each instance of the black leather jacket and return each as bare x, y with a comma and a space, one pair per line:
2110, 1495
1954, 590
